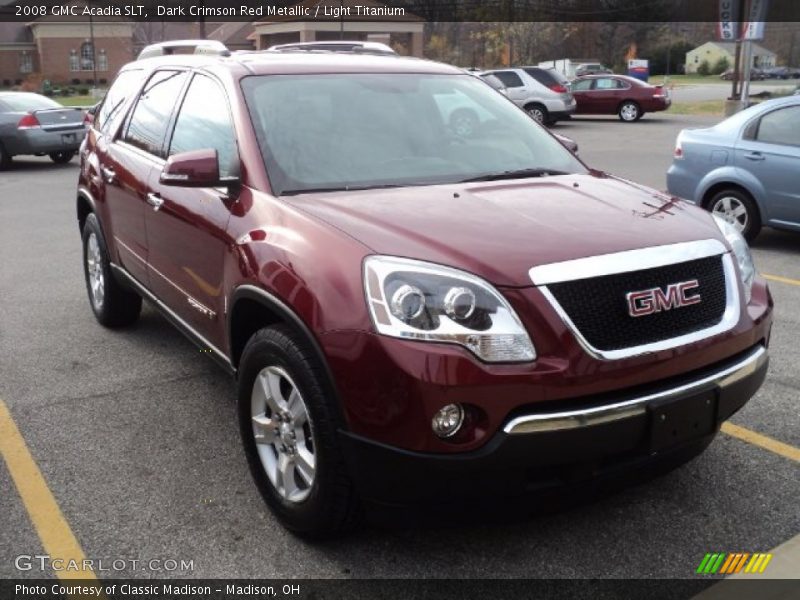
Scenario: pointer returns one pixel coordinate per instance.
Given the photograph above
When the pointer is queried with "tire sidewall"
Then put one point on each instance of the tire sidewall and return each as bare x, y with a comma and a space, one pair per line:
92, 226
279, 350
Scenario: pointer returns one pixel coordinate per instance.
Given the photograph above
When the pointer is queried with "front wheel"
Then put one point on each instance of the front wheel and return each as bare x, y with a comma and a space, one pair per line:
61, 158
738, 209
630, 112
112, 304
287, 424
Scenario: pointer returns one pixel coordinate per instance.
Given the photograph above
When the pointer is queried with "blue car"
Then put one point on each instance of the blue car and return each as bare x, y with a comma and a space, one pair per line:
745, 169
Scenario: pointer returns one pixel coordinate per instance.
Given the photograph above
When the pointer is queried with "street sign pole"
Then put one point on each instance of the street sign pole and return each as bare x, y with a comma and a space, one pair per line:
747, 58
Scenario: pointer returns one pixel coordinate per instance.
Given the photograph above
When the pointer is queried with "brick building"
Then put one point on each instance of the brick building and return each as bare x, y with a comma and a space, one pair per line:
59, 48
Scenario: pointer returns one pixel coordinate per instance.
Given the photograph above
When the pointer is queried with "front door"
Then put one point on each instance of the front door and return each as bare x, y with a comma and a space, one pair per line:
187, 233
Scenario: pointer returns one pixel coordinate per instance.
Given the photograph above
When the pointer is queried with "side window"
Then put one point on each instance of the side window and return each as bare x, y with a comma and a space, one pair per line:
582, 85
204, 122
606, 84
509, 78
150, 119
124, 85
781, 126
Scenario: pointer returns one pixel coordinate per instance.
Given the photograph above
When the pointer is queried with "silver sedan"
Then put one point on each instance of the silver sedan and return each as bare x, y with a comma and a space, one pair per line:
34, 124
745, 169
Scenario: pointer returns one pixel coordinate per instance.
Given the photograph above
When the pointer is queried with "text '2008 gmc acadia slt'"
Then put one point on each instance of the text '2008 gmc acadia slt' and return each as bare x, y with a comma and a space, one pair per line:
413, 315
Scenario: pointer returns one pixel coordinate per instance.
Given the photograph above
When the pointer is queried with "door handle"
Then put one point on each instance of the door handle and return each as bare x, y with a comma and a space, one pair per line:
109, 175
754, 156
155, 201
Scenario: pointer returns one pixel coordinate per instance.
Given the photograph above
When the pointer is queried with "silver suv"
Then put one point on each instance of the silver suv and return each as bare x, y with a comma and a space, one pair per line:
544, 93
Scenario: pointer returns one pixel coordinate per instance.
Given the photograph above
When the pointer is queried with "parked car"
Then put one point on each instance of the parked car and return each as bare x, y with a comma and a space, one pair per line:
543, 93
592, 69
412, 317
744, 170
627, 97
34, 124
755, 75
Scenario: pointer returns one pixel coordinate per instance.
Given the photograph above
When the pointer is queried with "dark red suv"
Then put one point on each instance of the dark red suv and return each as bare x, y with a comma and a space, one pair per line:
413, 315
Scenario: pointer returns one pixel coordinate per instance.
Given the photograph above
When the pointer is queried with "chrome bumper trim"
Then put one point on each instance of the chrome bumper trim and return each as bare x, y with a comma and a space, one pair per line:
588, 417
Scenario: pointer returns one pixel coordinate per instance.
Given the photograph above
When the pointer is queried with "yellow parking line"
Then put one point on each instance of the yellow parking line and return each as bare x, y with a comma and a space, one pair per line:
781, 279
54, 531
762, 441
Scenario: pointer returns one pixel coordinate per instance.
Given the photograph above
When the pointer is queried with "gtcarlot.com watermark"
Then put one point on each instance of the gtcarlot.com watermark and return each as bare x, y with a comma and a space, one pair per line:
46, 563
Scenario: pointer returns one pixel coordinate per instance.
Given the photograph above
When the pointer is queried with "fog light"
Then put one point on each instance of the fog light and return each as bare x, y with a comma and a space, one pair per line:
448, 420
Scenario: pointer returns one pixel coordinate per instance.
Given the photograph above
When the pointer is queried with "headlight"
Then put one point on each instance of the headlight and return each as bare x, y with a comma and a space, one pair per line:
747, 270
416, 300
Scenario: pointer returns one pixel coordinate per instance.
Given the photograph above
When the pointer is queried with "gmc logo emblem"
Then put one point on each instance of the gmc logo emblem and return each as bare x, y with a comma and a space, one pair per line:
654, 300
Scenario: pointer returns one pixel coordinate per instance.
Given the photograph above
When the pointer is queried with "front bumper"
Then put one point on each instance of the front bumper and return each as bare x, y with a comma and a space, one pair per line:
632, 432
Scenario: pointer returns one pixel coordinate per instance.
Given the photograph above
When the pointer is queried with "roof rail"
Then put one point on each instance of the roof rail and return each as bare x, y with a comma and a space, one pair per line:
336, 46
207, 47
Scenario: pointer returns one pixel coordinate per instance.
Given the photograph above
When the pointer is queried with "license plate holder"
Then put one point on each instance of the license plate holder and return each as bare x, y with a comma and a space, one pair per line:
67, 138
680, 420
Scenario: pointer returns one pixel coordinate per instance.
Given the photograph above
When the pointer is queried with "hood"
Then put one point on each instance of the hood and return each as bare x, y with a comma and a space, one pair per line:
499, 230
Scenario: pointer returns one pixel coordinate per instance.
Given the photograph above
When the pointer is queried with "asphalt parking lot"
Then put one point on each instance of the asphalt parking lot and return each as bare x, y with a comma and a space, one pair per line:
135, 434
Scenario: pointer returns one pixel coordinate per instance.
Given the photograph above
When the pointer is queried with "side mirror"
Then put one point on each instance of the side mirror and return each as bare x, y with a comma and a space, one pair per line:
198, 168
568, 143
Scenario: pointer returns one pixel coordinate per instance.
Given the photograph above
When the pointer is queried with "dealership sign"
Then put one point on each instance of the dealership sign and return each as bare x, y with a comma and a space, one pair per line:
729, 29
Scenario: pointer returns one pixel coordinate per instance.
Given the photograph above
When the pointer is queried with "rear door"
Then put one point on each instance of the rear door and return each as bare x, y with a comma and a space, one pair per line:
581, 90
770, 150
187, 234
129, 162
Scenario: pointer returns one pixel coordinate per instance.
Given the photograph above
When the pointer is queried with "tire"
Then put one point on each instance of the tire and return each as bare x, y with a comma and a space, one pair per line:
61, 158
538, 113
5, 158
112, 304
739, 208
629, 111
298, 466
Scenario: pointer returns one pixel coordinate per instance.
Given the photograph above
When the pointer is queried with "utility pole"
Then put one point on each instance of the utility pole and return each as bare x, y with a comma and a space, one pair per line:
94, 51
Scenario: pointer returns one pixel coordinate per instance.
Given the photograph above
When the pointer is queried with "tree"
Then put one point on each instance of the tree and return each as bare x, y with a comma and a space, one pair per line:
722, 65
704, 69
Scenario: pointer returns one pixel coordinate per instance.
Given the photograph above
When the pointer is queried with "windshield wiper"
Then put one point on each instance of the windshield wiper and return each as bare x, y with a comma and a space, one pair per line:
516, 174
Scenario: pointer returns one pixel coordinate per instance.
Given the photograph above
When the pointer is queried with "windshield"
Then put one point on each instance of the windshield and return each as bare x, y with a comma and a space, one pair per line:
356, 131
25, 102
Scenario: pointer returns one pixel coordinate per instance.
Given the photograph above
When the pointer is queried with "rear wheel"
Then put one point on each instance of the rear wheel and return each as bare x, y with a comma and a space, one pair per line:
739, 209
112, 304
288, 430
62, 157
538, 113
630, 111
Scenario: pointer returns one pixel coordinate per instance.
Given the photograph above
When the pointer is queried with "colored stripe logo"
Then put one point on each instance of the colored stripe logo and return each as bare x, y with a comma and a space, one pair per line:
734, 562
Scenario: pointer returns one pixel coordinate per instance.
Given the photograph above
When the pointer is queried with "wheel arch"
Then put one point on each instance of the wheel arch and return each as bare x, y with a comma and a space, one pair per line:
252, 309
717, 184
85, 205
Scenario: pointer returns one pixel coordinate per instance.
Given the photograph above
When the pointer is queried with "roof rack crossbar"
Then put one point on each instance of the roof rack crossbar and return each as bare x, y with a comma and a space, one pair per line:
206, 47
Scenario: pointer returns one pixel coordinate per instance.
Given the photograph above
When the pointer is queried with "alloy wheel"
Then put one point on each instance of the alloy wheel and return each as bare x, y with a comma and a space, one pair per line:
733, 211
283, 434
94, 267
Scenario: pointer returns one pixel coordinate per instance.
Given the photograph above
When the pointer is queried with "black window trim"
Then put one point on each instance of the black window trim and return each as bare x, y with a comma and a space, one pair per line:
122, 131
170, 133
